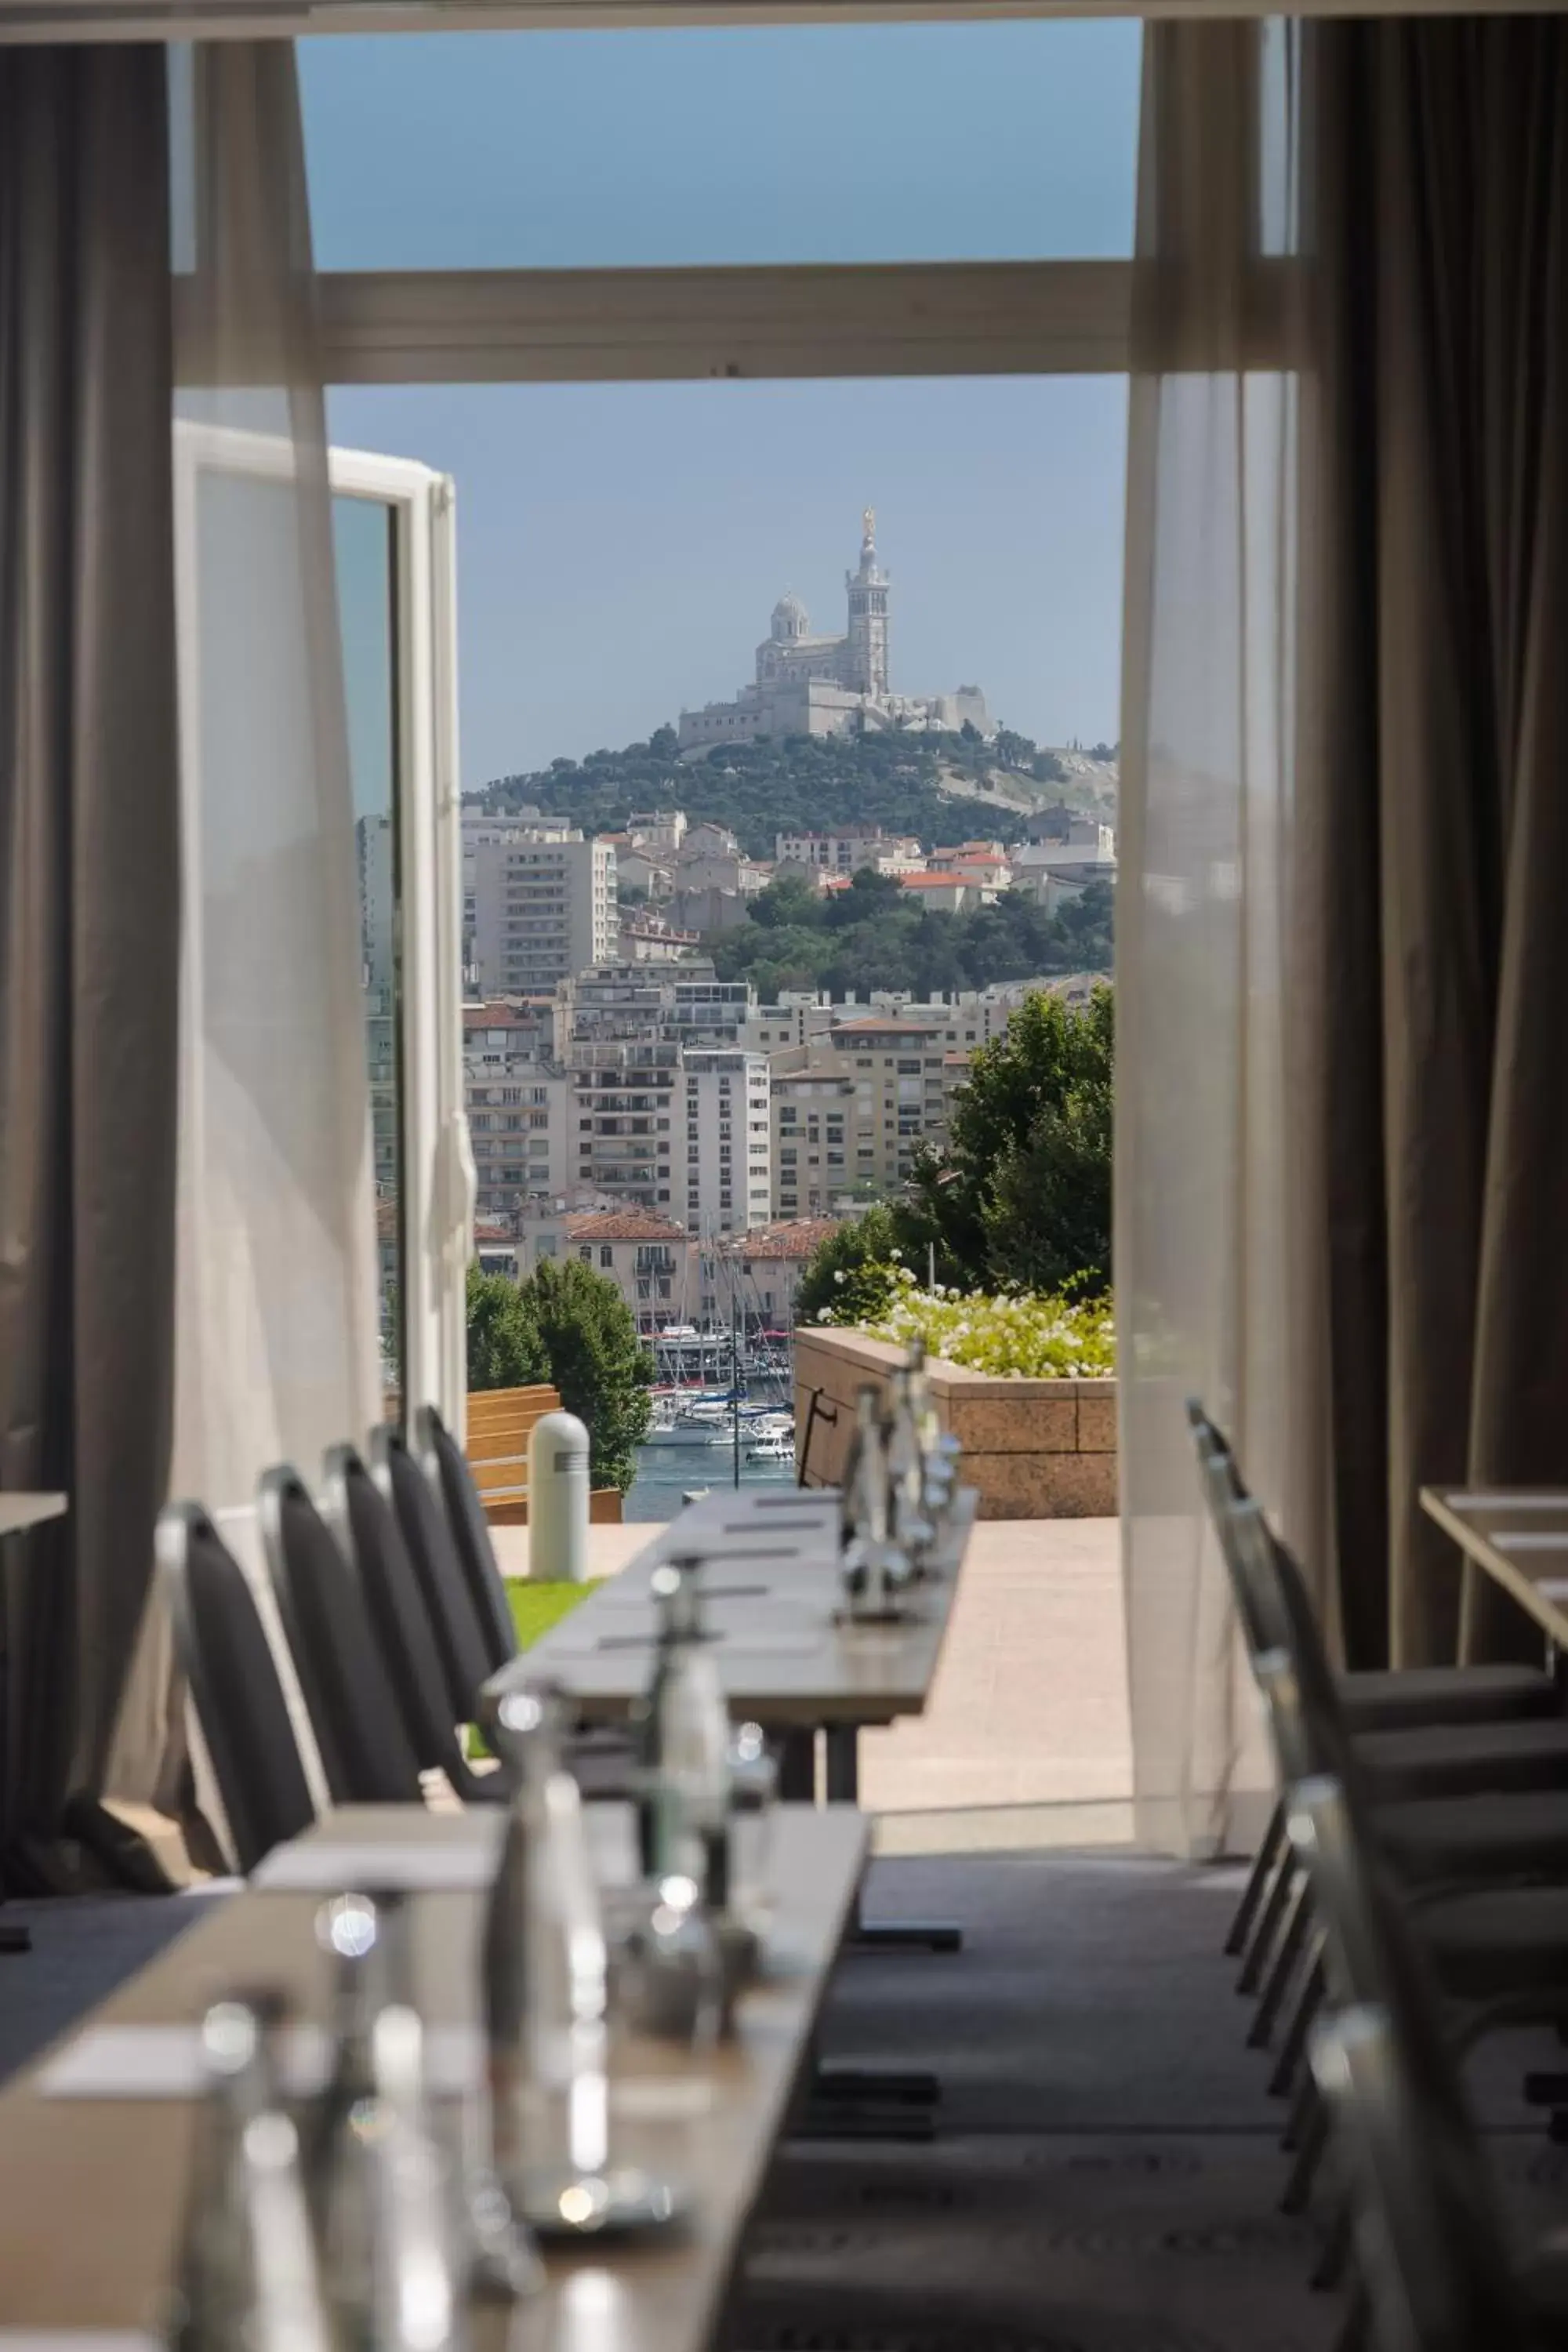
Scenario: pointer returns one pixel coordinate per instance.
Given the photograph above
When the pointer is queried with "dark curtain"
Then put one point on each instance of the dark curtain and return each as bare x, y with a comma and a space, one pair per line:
90, 908
1436, 543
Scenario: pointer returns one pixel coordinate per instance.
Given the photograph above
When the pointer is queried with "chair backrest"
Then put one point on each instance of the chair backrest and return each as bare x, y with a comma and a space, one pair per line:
444, 1465
1432, 2252
367, 1525
465, 1655
227, 1659
365, 1750
1224, 1487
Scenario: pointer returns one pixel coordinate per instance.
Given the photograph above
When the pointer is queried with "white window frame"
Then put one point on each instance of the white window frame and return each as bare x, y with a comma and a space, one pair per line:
436, 1182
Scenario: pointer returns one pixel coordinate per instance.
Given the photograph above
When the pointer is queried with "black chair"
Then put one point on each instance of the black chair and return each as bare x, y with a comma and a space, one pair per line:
366, 1754
227, 1661
1434, 2258
460, 1639
1432, 2252
446, 1466
1487, 1823
367, 1525
604, 1760
1397, 1698
1502, 1734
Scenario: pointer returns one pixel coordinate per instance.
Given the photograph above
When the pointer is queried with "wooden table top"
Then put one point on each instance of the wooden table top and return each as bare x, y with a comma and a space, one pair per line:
773, 1597
1519, 1537
91, 2189
19, 1510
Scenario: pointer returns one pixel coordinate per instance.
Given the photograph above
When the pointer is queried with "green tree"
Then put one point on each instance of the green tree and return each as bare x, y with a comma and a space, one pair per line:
591, 1346
846, 1272
505, 1350
1020, 1190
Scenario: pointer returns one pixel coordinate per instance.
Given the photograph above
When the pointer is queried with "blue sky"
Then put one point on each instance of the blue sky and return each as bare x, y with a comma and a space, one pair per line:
621, 547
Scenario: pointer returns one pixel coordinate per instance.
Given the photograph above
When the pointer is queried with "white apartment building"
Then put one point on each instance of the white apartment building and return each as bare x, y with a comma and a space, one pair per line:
964, 1017
544, 907
727, 1145
848, 852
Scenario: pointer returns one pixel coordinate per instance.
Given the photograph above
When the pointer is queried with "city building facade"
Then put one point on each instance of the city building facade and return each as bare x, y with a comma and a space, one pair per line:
728, 1145
544, 907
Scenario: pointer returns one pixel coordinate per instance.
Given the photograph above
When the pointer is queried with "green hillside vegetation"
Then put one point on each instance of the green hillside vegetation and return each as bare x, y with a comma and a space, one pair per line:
876, 935
800, 784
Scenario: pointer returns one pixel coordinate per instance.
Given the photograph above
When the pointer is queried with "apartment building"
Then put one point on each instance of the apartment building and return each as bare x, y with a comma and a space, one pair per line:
651, 1260
965, 1017
770, 1260
848, 852
849, 1108
728, 1147
544, 907
517, 1100
648, 1054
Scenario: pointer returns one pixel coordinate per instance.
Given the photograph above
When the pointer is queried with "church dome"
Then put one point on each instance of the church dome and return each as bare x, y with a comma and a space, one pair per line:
790, 619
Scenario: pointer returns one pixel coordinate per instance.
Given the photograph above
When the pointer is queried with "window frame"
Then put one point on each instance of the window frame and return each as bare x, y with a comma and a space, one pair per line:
437, 1183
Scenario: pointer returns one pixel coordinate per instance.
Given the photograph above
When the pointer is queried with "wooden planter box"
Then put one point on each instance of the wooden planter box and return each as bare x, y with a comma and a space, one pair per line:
1035, 1449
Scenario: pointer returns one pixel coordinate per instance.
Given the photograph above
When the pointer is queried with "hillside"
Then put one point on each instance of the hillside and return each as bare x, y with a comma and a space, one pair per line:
871, 936
902, 783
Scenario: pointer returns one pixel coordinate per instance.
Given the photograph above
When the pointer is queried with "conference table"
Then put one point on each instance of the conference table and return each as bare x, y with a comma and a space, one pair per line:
96, 2139
773, 1603
1519, 1537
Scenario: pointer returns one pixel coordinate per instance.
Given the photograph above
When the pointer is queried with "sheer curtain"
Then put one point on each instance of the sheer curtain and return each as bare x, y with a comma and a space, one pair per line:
276, 1353
1215, 1104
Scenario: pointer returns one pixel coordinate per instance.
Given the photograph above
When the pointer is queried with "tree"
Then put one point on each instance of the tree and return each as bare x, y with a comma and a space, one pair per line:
595, 1359
836, 1276
1020, 1190
790, 901
505, 1350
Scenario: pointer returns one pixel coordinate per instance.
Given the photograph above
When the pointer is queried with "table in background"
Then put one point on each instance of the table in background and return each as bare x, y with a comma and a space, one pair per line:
772, 1604
92, 2190
788, 1660
1519, 1537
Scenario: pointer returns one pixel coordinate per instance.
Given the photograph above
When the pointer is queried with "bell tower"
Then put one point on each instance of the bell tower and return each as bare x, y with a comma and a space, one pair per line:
866, 648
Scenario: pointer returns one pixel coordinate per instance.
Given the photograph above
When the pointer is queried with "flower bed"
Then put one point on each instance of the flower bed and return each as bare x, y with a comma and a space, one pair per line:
1037, 1446
1011, 1334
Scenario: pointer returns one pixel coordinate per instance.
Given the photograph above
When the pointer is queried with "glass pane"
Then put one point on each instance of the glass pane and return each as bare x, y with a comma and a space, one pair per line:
705, 146
364, 537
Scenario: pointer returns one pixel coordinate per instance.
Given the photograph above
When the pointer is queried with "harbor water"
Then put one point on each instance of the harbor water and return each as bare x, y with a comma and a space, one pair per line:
677, 1466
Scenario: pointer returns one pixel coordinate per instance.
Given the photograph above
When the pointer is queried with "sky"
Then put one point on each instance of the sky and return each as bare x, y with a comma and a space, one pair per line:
621, 547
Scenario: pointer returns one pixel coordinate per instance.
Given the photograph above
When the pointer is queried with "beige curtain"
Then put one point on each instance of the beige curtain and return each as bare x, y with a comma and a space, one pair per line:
1342, 1140
89, 885
1212, 1148
276, 1350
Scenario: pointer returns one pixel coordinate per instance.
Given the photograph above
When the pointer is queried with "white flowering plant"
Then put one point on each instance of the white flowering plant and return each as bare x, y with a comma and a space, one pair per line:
1011, 1334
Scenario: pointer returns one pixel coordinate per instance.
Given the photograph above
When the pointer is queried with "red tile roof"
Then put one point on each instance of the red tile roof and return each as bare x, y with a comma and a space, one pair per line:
795, 1237
493, 1233
620, 1225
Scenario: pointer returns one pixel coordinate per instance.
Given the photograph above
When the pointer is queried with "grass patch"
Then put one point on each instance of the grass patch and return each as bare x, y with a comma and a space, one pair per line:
535, 1608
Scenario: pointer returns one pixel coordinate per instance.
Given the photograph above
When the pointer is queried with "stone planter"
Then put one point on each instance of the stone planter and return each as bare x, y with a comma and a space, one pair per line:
1035, 1449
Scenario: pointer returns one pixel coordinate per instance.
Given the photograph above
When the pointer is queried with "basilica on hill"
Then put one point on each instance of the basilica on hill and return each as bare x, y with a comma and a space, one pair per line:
808, 685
